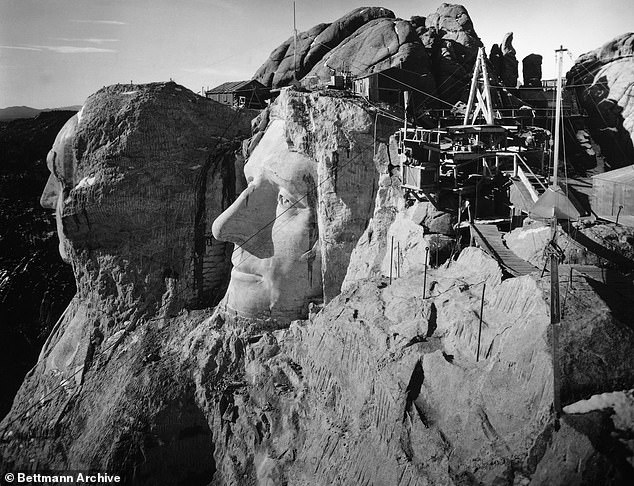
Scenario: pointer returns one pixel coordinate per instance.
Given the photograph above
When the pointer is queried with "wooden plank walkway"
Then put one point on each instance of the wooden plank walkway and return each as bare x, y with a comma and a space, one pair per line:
490, 240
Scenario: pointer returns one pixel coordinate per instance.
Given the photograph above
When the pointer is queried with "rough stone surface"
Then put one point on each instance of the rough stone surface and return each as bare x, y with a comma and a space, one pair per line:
313, 45
495, 59
136, 175
144, 170
340, 139
454, 46
532, 71
283, 65
509, 71
442, 47
605, 80
381, 385
377, 45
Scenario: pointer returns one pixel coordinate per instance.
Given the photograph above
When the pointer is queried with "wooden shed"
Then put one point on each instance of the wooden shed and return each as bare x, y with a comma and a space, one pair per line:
240, 94
388, 86
613, 193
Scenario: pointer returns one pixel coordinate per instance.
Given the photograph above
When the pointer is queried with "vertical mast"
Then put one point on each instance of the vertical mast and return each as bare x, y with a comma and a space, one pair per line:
559, 53
555, 311
487, 89
479, 100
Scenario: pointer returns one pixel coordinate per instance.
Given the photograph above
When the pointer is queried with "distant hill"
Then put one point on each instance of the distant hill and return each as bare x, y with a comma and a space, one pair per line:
16, 112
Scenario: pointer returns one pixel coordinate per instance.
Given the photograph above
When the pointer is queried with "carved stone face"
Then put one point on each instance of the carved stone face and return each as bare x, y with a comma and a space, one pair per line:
61, 163
276, 263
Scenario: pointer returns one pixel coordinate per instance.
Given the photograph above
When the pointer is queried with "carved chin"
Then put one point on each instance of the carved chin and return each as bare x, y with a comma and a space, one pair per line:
254, 296
248, 295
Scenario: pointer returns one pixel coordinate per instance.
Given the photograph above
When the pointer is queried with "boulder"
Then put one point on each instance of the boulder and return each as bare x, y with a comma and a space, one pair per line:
376, 46
313, 45
283, 65
454, 46
495, 59
532, 71
603, 81
343, 28
510, 72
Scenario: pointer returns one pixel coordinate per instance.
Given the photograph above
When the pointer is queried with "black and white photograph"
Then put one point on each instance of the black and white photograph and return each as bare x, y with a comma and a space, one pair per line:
298, 243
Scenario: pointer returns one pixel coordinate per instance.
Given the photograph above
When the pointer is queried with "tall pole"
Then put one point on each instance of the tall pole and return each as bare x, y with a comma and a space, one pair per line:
555, 317
472, 90
560, 54
406, 103
487, 88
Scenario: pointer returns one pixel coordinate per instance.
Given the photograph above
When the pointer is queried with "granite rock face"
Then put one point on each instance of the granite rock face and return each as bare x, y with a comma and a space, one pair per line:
137, 177
386, 383
509, 73
382, 365
378, 45
532, 71
313, 45
604, 80
438, 50
454, 46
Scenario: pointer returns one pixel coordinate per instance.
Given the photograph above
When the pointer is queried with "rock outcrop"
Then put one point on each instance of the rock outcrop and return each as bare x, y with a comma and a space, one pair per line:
604, 80
436, 51
382, 365
532, 71
137, 178
509, 71
432, 378
454, 46
313, 45
376, 46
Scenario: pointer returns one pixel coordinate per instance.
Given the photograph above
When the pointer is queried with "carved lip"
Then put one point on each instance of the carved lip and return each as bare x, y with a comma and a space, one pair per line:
241, 274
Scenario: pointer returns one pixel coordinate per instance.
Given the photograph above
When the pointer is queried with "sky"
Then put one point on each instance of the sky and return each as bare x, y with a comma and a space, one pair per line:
55, 53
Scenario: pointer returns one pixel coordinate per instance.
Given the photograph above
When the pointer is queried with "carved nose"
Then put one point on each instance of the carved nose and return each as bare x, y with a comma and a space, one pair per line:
48, 199
249, 220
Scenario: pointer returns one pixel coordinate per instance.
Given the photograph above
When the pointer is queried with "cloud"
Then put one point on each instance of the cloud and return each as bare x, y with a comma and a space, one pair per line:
107, 22
89, 40
22, 48
72, 49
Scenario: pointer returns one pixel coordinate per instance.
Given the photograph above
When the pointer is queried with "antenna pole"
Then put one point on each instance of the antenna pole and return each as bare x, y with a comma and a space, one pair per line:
559, 52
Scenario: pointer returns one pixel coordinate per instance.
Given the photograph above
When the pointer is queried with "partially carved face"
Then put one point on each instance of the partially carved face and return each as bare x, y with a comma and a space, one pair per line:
62, 164
276, 263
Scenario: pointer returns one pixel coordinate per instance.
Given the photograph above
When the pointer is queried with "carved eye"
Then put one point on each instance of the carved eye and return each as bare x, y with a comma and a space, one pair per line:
283, 201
